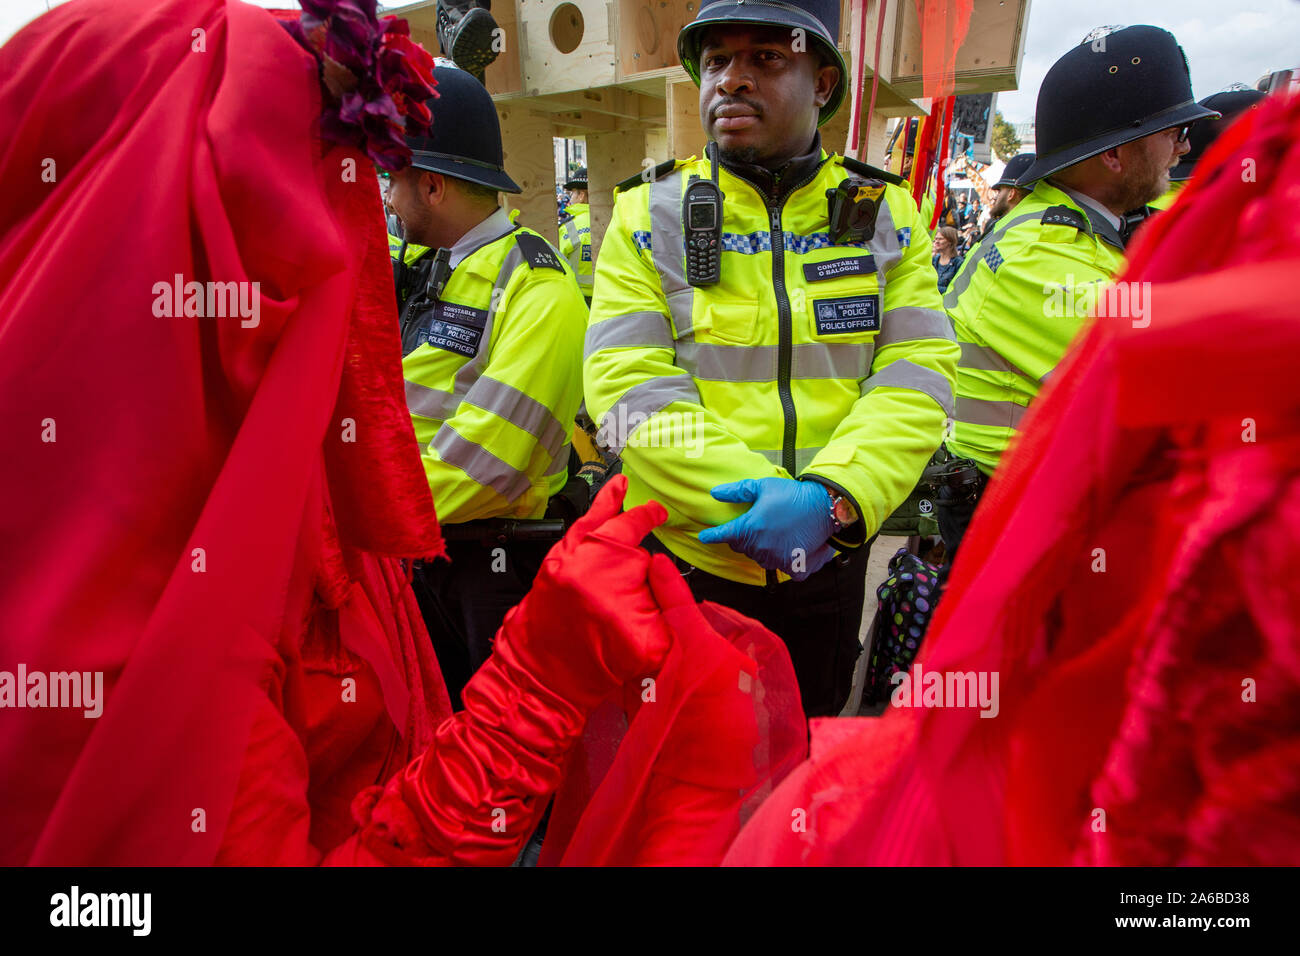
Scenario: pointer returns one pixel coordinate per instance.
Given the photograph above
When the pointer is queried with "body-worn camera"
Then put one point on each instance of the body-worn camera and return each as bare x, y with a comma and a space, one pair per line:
851, 209
439, 273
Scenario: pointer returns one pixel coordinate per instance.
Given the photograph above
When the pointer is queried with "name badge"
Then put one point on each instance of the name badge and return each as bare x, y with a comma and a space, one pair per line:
455, 328
858, 313
856, 266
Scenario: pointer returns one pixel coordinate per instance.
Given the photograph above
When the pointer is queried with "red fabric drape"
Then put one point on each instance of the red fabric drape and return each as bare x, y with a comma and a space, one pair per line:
1130, 579
202, 510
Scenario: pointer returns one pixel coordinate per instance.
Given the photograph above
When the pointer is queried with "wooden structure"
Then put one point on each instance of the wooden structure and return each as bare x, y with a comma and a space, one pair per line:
607, 70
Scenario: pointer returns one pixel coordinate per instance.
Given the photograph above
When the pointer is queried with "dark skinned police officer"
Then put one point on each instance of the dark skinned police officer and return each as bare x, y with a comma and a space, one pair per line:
492, 346
1112, 119
776, 369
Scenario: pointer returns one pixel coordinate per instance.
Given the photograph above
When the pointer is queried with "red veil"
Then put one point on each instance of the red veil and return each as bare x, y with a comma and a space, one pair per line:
1130, 577
197, 507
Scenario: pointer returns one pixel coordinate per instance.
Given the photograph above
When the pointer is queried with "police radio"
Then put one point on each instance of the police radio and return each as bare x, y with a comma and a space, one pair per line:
702, 217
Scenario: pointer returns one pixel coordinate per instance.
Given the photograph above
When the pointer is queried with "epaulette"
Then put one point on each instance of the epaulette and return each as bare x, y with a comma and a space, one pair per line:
659, 172
538, 253
871, 172
567, 217
1065, 216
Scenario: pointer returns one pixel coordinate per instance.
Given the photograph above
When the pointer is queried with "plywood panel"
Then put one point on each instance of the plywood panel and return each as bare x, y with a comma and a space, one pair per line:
611, 158
988, 59
567, 45
685, 134
530, 161
647, 33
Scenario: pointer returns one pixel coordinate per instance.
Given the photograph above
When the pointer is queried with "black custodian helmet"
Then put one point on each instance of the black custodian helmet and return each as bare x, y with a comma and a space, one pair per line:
1014, 169
819, 19
1229, 105
1110, 90
465, 139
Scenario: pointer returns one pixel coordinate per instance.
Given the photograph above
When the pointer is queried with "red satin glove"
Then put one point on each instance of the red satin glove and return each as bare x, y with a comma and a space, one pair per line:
588, 625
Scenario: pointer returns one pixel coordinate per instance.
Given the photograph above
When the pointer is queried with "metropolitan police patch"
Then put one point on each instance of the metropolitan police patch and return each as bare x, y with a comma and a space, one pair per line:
454, 328
857, 313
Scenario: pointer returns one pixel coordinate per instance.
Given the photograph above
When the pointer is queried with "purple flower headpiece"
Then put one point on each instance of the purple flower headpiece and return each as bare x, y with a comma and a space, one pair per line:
376, 78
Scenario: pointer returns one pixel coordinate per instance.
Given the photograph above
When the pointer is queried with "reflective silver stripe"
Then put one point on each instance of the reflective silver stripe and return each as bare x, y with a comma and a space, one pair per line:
802, 457
571, 234
439, 404
832, 360
978, 411
905, 374
962, 280
727, 363
640, 402
431, 402
468, 373
519, 409
758, 363
668, 249
559, 463
907, 324
479, 463
884, 245
649, 330
984, 359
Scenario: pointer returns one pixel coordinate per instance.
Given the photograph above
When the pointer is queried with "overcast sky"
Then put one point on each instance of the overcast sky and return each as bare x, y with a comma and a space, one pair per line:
1227, 41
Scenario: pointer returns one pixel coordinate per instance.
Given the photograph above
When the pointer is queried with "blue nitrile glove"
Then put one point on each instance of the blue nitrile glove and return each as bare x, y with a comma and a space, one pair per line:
790, 518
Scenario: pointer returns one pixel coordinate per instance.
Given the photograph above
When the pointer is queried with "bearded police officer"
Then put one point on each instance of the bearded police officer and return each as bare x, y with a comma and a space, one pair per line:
575, 232
1112, 120
1006, 193
769, 353
492, 345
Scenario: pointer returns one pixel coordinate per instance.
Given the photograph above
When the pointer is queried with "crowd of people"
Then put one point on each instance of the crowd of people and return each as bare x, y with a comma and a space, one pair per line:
378, 578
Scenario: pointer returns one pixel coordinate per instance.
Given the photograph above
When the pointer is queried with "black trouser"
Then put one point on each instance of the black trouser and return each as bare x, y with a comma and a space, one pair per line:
819, 619
465, 600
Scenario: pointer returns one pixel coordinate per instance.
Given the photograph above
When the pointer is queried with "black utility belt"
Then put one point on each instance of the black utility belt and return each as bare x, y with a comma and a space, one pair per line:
497, 531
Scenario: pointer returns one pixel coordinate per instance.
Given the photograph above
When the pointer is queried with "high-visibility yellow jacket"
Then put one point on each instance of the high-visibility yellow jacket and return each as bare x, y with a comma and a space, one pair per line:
494, 374
806, 359
1167, 198
927, 209
413, 251
1020, 298
575, 244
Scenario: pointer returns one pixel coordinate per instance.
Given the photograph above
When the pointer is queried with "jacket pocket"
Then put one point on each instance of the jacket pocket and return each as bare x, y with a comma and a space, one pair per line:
735, 323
